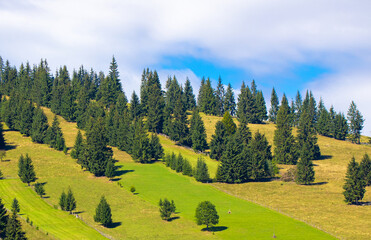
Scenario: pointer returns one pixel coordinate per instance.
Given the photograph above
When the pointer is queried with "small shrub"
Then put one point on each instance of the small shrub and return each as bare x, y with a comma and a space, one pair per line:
37, 227
132, 189
27, 219
31, 223
289, 175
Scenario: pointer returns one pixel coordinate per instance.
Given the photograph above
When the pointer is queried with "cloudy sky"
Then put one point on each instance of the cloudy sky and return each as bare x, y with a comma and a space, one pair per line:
321, 45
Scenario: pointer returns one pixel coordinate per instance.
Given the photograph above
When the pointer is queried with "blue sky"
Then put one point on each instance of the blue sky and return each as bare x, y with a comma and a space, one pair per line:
321, 45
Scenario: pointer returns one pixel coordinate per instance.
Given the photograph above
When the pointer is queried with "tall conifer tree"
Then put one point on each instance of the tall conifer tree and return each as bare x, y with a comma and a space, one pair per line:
356, 121
229, 101
274, 106
354, 183
198, 132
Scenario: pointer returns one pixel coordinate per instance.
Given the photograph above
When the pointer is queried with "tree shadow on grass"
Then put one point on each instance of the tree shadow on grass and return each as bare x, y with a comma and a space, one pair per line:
215, 229
10, 147
317, 183
115, 179
324, 157
366, 203
119, 173
79, 212
173, 218
114, 225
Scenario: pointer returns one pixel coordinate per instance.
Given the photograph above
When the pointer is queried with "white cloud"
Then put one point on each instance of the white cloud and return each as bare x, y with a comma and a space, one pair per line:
262, 37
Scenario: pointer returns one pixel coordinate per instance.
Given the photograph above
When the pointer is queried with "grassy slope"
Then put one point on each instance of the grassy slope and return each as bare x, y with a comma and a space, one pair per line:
320, 205
154, 181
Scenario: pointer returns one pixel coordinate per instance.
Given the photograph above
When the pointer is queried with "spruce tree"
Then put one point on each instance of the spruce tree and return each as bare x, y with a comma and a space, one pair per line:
41, 88
356, 121
187, 168
190, 101
14, 229
305, 171
298, 108
110, 170
340, 127
198, 132
274, 107
15, 206
26, 170
180, 131
218, 141
208, 100
55, 136
365, 169
103, 213
229, 125
179, 163
285, 146
246, 106
26, 119
21, 166
166, 209
219, 98
155, 104
39, 189
135, 107
70, 201
2, 139
157, 150
261, 109
78, 148
144, 90
354, 183
173, 94
201, 173
229, 101
63, 201
322, 125
3, 219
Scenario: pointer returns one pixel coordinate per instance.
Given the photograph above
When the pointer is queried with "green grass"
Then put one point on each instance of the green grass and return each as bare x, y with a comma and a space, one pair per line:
57, 223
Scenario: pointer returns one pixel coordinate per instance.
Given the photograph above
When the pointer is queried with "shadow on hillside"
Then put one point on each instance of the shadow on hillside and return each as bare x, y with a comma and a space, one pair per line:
173, 218
367, 203
79, 212
324, 157
115, 179
122, 172
10, 147
114, 225
215, 229
318, 183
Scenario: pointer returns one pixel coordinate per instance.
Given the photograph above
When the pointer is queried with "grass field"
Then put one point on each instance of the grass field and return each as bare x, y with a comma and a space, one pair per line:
321, 204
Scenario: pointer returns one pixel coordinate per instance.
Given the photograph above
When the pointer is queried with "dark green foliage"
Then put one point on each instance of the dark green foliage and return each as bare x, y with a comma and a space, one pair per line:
201, 173
206, 214
274, 106
135, 107
39, 189
324, 120
110, 170
365, 168
285, 146
306, 130
189, 97
229, 101
132, 189
229, 125
78, 148
340, 127
297, 108
157, 151
219, 98
173, 95
26, 118
261, 108
96, 151
305, 171
179, 163
198, 132
218, 141
14, 229
155, 105
144, 90
356, 121
259, 157
180, 130
166, 208
70, 203
15, 206
103, 213
245, 105
26, 170
3, 219
206, 98
55, 136
63, 201
41, 89
2, 139
187, 168
354, 183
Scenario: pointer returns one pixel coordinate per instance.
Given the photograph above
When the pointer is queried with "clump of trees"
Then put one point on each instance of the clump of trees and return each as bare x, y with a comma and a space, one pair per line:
67, 202
166, 209
26, 170
103, 213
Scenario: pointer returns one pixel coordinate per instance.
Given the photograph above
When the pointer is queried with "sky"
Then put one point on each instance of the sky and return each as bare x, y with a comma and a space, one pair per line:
320, 45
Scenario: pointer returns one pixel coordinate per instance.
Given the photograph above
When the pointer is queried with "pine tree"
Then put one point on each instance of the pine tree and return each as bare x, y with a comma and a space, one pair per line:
3, 218
323, 126
26, 170
340, 127
219, 98
135, 107
103, 213
206, 214
70, 201
144, 91
305, 171
218, 141
63, 201
110, 88
190, 100
229, 125
173, 94
26, 118
246, 106
41, 88
110, 170
261, 109
39, 189
201, 173
157, 150
14, 229
285, 146
78, 148
198, 132
166, 209
260, 157
229, 101
365, 169
274, 107
55, 136
15, 206
298, 108
179, 163
2, 139
180, 131
208, 99
187, 168
96, 150
354, 183
356, 121
155, 104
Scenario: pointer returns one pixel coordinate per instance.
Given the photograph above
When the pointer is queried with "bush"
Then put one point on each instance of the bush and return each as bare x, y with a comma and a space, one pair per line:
289, 175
